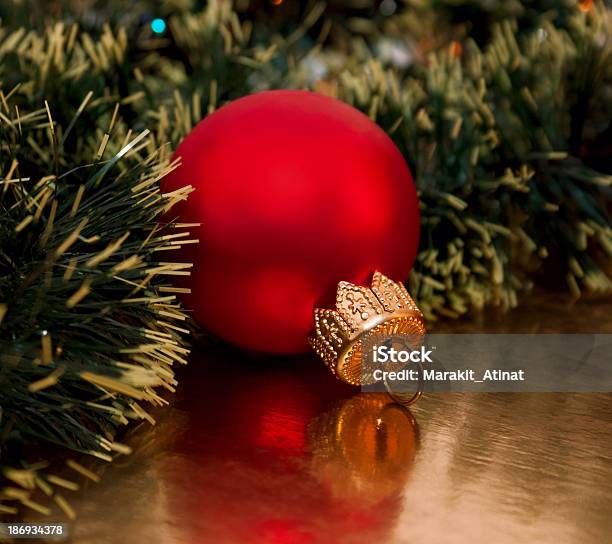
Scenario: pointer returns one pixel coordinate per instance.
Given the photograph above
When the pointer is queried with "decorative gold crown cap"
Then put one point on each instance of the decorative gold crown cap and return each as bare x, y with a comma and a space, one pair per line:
384, 308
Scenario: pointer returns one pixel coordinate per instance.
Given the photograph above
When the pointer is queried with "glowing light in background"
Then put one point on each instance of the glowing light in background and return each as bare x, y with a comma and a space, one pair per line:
277, 2
158, 26
456, 49
387, 7
541, 34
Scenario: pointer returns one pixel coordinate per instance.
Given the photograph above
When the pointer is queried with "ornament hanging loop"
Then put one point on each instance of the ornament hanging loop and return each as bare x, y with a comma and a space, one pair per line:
405, 399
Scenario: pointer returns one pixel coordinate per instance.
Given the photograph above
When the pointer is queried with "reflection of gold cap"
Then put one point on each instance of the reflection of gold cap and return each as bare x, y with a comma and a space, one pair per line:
364, 447
384, 308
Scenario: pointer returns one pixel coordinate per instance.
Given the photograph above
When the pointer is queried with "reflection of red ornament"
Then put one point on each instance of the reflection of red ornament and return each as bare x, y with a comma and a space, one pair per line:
281, 428
295, 192
234, 477
281, 531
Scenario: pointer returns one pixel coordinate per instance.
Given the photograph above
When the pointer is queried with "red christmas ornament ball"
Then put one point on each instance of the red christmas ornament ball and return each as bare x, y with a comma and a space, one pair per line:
295, 191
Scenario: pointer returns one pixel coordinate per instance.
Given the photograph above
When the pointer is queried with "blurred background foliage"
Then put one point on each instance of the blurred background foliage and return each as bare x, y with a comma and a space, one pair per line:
501, 108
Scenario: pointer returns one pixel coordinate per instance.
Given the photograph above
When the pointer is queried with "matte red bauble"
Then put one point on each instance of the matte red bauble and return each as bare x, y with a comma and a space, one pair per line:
294, 191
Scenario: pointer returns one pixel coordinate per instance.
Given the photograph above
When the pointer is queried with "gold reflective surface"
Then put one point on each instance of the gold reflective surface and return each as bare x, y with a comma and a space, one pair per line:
261, 451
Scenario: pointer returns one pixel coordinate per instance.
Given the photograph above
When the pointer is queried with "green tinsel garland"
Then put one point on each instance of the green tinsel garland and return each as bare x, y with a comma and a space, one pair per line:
89, 323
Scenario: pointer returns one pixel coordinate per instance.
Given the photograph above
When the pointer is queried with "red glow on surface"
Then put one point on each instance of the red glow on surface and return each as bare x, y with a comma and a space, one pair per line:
280, 531
282, 430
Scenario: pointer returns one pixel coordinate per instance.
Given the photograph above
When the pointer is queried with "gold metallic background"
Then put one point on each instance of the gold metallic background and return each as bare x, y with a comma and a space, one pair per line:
276, 451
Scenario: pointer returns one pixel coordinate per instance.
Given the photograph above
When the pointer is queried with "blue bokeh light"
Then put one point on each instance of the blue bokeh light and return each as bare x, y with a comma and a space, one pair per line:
158, 26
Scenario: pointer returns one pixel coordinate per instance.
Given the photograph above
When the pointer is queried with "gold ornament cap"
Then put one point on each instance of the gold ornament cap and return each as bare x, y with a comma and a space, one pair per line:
384, 308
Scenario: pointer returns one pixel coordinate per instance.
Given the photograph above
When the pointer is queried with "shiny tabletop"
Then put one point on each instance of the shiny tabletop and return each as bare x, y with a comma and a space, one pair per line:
263, 450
